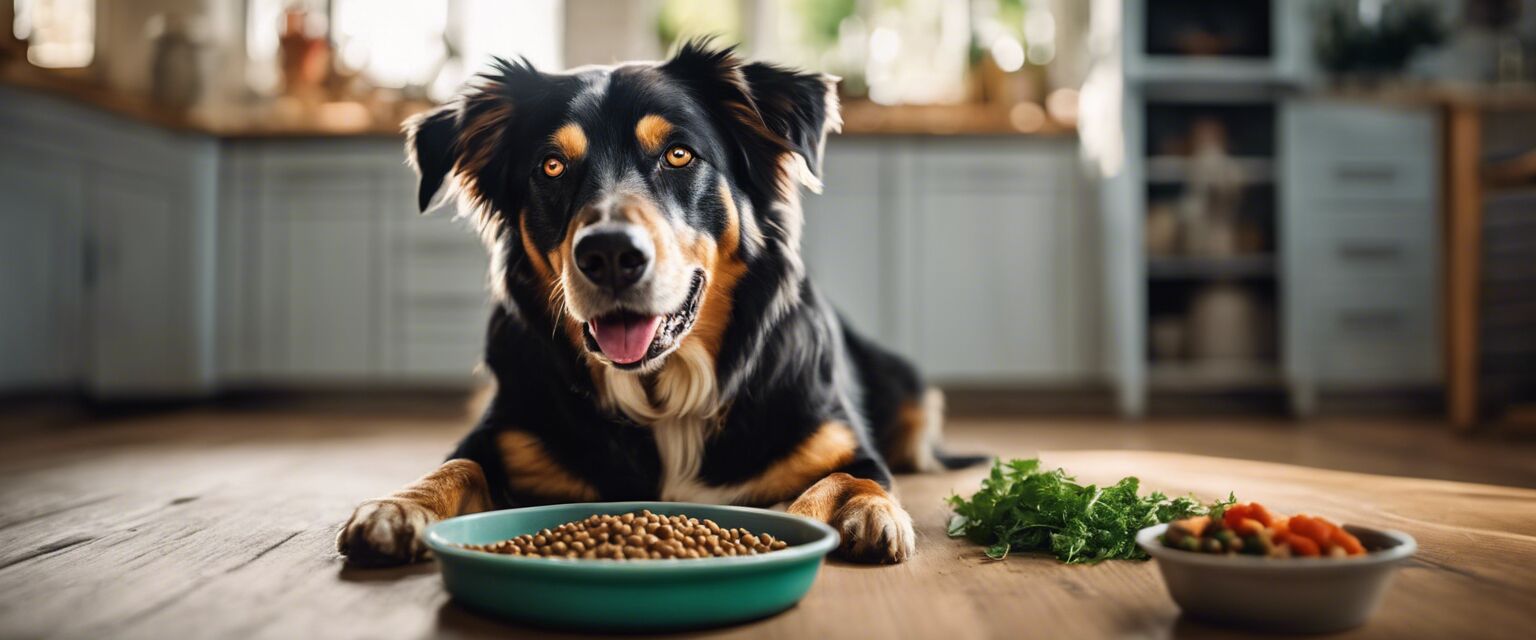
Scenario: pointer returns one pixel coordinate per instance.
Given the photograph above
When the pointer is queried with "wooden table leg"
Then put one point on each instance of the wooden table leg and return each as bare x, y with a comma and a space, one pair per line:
1464, 218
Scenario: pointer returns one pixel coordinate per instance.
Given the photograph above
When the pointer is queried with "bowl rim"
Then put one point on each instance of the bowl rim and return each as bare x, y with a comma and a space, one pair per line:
1406, 546
821, 546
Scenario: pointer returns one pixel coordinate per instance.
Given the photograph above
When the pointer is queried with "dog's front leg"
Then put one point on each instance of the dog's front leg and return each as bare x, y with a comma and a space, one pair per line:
871, 522
389, 530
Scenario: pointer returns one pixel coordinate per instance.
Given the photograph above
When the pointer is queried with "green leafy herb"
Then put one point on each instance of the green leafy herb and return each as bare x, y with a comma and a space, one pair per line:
1022, 508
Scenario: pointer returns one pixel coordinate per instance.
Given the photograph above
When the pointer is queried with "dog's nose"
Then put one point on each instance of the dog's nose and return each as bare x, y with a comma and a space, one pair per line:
613, 257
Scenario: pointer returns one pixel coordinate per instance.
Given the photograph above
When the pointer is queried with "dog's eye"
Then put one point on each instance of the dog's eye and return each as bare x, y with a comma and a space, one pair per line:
678, 157
553, 167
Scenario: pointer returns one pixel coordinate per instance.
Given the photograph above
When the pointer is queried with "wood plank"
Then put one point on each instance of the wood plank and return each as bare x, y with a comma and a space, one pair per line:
1463, 256
221, 525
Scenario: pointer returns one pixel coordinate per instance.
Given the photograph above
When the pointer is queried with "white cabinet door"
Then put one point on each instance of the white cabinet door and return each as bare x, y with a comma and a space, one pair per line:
438, 298
140, 199
40, 280
987, 266
321, 266
334, 277
143, 334
847, 235
332, 299
992, 263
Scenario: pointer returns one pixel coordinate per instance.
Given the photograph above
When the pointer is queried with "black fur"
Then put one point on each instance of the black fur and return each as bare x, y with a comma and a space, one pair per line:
785, 366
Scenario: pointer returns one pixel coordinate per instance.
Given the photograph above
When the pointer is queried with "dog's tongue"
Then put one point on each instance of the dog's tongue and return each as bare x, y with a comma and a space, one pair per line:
624, 338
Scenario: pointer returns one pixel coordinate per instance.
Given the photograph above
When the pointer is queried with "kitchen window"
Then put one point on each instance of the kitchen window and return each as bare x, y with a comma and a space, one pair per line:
425, 45
60, 34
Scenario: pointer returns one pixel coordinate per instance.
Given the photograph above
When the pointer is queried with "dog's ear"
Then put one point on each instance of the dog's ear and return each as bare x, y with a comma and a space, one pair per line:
768, 112
801, 107
468, 138
429, 148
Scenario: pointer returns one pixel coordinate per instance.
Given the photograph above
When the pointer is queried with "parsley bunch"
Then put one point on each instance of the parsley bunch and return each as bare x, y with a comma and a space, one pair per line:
1022, 508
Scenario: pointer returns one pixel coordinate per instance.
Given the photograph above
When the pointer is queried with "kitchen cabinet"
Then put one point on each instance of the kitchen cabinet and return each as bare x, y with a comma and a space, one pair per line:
964, 254
435, 319
992, 248
845, 245
319, 222
335, 278
1340, 196
139, 328
41, 280
111, 252
1360, 224
159, 263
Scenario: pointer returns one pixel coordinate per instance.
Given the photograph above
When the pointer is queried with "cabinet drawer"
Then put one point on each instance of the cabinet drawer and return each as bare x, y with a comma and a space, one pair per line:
1408, 178
1339, 128
1352, 151
1370, 244
1382, 332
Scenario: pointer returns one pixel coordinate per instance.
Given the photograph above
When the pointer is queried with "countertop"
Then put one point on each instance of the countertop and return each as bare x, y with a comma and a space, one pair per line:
288, 119
1459, 95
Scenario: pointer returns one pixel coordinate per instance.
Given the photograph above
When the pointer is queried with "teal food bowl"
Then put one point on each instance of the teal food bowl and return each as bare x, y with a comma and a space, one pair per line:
636, 595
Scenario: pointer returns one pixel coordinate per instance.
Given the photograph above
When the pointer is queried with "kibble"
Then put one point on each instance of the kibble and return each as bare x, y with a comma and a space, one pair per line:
639, 535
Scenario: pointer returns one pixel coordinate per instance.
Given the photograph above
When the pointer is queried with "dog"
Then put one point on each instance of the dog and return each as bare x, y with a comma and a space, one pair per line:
655, 335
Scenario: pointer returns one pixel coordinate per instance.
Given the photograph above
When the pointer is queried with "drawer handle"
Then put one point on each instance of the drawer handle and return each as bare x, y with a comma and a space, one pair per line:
1365, 173
1371, 320
1367, 251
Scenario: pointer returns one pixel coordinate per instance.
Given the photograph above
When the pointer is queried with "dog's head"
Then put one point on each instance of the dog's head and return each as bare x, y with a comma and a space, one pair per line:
630, 199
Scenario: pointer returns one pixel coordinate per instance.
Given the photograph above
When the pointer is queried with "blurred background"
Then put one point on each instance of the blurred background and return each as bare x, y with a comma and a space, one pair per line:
1112, 206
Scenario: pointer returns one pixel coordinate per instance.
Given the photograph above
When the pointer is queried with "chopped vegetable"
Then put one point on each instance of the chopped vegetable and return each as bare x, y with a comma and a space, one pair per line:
1021, 508
1251, 529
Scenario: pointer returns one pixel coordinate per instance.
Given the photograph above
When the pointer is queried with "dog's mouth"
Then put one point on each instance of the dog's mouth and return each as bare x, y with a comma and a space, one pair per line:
629, 340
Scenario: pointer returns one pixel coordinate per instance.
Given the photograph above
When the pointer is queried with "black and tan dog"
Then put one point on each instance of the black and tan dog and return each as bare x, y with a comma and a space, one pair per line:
656, 336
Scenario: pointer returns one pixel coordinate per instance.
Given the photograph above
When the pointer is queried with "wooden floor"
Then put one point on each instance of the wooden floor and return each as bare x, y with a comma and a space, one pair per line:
220, 524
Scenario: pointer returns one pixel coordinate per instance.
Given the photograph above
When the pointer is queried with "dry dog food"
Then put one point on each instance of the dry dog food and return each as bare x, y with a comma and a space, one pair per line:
636, 536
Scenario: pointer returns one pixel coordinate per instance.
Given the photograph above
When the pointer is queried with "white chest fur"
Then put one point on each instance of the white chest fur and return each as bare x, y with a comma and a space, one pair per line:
681, 407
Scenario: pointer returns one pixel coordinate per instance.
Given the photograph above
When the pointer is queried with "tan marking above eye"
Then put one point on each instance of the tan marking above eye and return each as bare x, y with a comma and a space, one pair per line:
678, 156
652, 130
571, 141
553, 167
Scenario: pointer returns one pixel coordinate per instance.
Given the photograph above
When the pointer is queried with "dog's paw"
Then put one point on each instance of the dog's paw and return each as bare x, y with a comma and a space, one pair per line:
874, 529
385, 531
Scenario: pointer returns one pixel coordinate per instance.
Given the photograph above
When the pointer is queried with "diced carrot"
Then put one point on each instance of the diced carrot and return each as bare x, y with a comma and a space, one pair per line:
1311, 528
1348, 542
1329, 528
1234, 515
1194, 526
1303, 546
1258, 512
1281, 526
1248, 527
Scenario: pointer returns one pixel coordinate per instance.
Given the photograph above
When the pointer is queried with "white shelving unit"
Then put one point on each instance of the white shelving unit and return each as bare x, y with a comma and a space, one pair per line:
1154, 85
1351, 189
